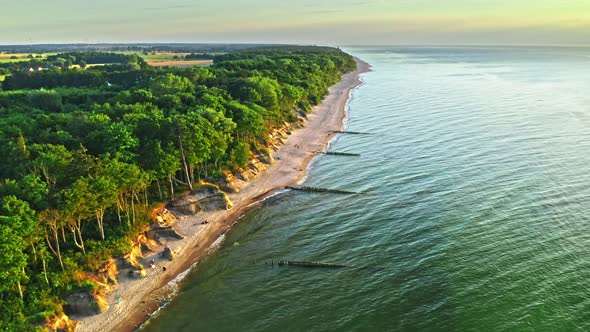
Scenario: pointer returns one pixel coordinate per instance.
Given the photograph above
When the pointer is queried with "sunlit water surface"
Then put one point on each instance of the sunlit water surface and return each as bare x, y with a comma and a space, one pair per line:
475, 212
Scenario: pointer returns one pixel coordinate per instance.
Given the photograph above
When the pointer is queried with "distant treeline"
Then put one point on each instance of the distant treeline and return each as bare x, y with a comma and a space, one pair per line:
85, 153
141, 47
199, 56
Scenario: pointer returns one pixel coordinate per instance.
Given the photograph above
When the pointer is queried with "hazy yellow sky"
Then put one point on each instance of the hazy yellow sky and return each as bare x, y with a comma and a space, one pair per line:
335, 22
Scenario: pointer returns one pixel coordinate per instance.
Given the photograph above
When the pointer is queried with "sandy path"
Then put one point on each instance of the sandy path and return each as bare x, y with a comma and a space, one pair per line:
140, 298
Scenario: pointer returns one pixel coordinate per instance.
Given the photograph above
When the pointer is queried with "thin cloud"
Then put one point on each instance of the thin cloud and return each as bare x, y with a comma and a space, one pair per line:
168, 7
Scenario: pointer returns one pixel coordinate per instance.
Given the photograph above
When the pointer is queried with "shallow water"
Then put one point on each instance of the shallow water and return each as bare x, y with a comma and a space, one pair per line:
474, 213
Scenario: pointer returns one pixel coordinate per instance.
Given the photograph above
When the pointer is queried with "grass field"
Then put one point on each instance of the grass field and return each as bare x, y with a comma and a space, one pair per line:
178, 63
90, 65
156, 56
162, 56
6, 57
160, 59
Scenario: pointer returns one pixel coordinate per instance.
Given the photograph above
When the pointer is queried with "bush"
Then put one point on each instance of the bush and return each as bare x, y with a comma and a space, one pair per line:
240, 155
89, 286
97, 255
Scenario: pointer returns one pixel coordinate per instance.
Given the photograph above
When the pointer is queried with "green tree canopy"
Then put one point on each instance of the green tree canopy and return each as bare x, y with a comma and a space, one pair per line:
170, 84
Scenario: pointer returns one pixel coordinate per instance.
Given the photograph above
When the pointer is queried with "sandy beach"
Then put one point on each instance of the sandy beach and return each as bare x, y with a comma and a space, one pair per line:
140, 298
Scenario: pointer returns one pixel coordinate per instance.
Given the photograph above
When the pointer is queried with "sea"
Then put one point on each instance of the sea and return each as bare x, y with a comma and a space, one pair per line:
469, 211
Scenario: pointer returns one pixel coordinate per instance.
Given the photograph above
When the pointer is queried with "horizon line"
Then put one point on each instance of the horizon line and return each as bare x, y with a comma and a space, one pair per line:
143, 43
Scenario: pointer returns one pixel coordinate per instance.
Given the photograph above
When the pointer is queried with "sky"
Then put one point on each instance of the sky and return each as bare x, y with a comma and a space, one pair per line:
333, 22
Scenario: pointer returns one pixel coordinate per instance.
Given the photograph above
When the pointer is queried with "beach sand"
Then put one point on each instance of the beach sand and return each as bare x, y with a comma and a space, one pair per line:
133, 301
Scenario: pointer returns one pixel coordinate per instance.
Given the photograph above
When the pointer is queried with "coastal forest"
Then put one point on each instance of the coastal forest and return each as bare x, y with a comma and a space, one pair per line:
89, 141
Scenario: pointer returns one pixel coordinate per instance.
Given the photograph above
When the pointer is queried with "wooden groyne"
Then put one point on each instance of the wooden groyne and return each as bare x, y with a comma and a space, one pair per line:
322, 190
285, 262
344, 154
350, 132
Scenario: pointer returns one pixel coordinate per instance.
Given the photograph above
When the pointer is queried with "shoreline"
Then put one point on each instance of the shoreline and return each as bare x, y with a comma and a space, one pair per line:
140, 299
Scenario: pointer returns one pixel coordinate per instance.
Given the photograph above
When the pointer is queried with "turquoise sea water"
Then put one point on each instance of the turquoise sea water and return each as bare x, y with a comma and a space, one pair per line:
475, 212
